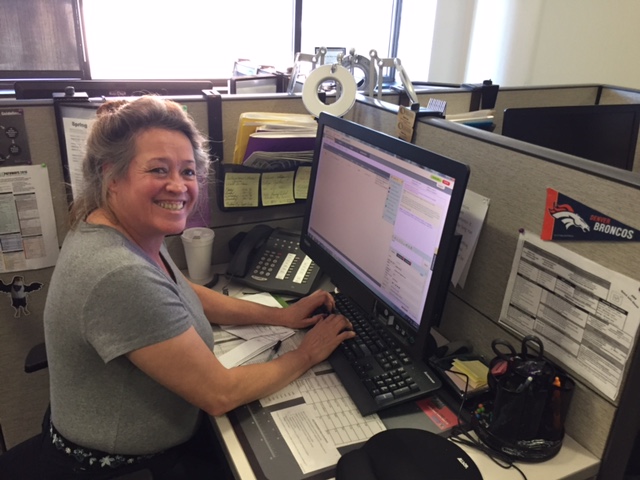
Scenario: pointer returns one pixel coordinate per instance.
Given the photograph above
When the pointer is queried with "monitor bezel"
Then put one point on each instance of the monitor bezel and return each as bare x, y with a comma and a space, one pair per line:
417, 342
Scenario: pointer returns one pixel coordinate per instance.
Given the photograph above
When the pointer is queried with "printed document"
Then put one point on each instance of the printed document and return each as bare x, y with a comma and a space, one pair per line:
28, 236
586, 315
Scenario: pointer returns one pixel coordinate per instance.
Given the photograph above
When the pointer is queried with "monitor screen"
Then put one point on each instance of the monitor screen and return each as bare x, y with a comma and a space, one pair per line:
603, 133
332, 54
254, 84
380, 221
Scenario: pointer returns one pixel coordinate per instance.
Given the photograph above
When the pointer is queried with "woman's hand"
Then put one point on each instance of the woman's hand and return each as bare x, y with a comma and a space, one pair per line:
298, 315
324, 337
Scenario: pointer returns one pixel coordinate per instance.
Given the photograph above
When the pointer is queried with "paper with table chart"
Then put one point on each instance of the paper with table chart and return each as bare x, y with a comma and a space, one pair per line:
586, 314
314, 414
327, 419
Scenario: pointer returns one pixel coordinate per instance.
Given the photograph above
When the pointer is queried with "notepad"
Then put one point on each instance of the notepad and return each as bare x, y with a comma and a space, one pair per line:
469, 375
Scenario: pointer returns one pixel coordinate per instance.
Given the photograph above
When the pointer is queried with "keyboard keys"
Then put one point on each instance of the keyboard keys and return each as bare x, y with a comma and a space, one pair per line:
379, 362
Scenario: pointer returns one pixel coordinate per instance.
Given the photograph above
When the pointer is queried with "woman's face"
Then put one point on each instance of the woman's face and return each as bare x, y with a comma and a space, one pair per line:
160, 188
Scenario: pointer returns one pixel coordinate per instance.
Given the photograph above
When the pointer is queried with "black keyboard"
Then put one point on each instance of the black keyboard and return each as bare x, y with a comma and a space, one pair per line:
374, 367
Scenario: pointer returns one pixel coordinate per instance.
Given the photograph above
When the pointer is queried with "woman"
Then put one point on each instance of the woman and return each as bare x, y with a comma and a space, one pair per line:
128, 337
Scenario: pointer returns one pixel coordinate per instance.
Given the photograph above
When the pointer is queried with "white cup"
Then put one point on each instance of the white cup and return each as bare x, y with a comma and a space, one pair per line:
198, 243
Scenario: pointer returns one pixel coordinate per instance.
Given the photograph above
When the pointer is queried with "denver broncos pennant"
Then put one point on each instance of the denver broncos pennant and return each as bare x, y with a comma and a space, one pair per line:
567, 219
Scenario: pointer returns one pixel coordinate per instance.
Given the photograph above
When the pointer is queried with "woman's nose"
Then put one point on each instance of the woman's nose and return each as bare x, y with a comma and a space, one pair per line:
176, 184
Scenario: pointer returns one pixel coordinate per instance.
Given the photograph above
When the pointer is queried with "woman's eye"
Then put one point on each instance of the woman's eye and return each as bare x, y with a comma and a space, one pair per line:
189, 172
161, 170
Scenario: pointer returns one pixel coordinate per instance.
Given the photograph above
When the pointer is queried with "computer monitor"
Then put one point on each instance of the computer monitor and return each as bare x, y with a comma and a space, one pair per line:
332, 54
380, 221
251, 84
603, 133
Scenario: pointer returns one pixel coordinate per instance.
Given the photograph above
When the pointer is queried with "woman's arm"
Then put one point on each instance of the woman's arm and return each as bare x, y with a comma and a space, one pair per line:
185, 365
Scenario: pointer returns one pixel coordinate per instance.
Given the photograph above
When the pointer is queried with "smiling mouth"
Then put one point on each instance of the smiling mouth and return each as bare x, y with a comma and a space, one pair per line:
175, 206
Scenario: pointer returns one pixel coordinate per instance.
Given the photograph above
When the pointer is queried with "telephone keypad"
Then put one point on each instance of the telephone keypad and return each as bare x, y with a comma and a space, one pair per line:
282, 267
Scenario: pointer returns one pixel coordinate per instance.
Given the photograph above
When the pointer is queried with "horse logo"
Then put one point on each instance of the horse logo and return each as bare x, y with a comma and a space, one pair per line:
568, 217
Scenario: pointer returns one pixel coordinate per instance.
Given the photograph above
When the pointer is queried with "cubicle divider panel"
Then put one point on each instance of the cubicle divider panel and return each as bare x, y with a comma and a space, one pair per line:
45, 149
616, 95
516, 183
380, 116
518, 97
24, 397
458, 101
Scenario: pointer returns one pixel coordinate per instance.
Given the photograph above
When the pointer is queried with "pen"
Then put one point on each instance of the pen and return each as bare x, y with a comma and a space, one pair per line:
274, 350
524, 385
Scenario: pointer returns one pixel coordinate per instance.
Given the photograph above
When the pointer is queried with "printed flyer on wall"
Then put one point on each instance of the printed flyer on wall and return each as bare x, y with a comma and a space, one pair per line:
28, 238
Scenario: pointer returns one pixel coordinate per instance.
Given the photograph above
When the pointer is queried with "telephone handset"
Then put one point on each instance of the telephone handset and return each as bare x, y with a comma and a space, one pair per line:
270, 260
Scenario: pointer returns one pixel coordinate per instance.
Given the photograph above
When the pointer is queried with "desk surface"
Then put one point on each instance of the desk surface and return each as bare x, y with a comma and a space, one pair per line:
573, 462
260, 442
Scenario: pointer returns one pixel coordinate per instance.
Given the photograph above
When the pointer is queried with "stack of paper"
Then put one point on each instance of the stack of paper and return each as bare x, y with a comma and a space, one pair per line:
472, 371
285, 127
284, 147
472, 215
258, 338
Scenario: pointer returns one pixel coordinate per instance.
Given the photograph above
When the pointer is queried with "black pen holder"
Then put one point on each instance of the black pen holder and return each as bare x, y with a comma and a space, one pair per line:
525, 418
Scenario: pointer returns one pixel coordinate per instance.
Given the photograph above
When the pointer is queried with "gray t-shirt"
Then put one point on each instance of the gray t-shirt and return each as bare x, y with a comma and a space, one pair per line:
107, 298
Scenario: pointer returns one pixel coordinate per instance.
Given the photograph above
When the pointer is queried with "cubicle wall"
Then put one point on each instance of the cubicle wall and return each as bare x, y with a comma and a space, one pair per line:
458, 100
24, 397
513, 174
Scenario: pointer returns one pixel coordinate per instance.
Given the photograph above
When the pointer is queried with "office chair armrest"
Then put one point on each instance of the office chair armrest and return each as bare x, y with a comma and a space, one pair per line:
36, 359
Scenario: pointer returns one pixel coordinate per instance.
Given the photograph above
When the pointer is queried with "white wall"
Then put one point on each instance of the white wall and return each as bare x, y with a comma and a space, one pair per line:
537, 42
588, 41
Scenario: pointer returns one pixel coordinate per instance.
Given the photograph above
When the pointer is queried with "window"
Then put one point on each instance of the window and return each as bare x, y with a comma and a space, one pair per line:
39, 39
393, 28
416, 37
201, 39
340, 23
188, 39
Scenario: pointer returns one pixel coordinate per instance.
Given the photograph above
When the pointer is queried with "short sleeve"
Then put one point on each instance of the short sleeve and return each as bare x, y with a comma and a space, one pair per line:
132, 307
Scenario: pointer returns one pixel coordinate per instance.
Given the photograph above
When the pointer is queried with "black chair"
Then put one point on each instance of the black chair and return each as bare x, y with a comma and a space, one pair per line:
37, 360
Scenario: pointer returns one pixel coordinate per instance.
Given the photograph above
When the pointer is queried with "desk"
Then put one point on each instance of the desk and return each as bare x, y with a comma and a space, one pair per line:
573, 462
261, 451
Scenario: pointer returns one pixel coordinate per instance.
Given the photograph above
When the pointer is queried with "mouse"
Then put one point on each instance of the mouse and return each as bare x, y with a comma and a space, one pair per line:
407, 453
